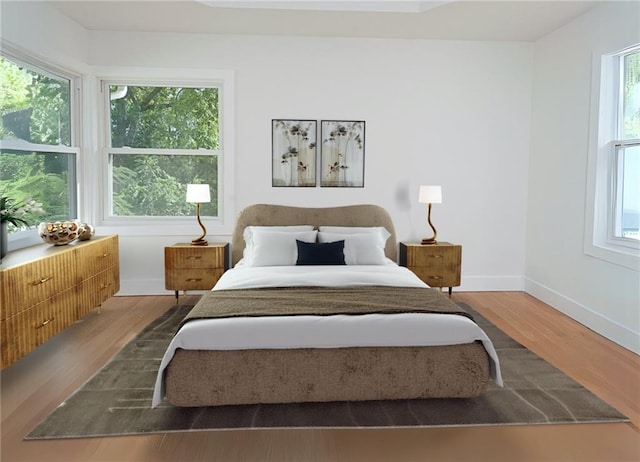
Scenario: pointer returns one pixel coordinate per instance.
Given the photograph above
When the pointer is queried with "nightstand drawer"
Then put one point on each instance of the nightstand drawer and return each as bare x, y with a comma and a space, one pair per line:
435, 278
193, 278
433, 257
194, 257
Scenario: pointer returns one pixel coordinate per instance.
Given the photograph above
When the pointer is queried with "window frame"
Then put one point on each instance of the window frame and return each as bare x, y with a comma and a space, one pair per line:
617, 173
30, 237
138, 225
604, 173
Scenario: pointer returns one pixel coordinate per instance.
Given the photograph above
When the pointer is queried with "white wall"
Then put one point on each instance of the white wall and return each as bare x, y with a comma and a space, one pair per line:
436, 112
45, 32
604, 296
450, 113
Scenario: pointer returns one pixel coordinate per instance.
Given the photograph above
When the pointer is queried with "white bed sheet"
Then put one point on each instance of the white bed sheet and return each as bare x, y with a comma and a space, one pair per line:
250, 277
279, 332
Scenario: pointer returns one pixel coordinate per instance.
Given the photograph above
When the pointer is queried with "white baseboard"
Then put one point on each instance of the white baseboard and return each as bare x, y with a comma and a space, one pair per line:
491, 284
615, 332
143, 287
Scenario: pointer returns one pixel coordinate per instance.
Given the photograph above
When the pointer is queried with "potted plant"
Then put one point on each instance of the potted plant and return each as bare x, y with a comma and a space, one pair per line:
17, 213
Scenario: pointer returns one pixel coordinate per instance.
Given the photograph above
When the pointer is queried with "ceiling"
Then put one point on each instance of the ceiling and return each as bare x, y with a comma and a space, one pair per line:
524, 20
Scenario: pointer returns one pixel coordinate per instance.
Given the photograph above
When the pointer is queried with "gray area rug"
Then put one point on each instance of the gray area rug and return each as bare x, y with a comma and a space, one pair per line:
117, 400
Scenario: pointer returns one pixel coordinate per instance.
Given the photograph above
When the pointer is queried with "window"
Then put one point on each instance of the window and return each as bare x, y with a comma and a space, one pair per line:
626, 173
613, 212
161, 137
39, 146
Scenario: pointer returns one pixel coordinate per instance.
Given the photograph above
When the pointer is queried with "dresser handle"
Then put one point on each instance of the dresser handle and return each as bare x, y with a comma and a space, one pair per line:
105, 286
436, 277
104, 255
435, 256
44, 323
42, 281
194, 257
193, 279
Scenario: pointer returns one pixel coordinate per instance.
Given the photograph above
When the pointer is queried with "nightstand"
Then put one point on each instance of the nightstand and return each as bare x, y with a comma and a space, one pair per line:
190, 267
439, 265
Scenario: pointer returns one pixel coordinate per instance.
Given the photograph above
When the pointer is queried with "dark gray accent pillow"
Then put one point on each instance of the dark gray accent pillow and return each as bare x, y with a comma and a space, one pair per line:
327, 253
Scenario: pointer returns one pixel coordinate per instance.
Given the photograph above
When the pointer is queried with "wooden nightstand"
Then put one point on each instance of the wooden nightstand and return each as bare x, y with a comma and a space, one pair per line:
191, 267
439, 265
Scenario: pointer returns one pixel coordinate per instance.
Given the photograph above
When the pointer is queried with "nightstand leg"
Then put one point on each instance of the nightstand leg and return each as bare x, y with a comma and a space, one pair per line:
450, 290
177, 295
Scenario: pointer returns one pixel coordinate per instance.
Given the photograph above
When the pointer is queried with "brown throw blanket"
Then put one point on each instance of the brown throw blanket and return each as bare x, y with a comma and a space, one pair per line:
322, 301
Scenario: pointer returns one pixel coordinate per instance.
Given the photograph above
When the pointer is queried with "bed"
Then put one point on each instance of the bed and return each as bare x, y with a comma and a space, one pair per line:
362, 328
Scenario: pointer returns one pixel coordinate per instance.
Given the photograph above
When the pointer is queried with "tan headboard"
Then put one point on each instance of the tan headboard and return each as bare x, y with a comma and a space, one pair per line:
282, 215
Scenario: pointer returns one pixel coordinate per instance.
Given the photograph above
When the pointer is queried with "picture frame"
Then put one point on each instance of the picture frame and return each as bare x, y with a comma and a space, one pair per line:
294, 153
342, 153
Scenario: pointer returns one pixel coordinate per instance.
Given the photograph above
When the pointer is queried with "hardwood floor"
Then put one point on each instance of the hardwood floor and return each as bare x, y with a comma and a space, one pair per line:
35, 385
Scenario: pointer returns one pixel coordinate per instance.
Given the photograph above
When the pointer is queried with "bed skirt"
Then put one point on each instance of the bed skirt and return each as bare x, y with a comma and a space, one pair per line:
215, 378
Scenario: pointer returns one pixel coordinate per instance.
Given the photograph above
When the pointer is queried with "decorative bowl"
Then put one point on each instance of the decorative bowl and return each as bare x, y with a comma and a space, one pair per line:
59, 232
86, 232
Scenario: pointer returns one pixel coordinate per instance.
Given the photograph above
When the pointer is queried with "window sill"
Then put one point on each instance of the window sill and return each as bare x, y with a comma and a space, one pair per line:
23, 239
615, 254
191, 228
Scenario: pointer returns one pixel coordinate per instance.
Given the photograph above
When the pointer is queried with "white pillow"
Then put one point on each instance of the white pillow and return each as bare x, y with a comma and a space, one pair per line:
249, 232
277, 248
384, 234
359, 248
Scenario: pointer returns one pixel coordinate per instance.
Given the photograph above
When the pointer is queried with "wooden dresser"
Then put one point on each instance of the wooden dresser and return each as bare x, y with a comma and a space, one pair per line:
46, 288
439, 265
192, 267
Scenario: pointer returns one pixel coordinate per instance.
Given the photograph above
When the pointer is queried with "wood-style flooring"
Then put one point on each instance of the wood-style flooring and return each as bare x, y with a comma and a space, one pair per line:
35, 385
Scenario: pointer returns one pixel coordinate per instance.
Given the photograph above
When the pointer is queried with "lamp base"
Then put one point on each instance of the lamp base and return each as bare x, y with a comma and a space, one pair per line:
429, 241
199, 242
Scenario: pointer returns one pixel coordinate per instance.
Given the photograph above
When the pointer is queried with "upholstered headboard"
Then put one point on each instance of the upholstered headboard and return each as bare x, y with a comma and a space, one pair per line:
282, 215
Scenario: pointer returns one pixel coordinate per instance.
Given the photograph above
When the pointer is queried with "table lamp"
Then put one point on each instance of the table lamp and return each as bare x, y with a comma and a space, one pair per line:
430, 195
197, 194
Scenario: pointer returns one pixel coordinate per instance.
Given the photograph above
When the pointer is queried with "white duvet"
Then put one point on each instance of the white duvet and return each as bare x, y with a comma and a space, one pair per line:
409, 329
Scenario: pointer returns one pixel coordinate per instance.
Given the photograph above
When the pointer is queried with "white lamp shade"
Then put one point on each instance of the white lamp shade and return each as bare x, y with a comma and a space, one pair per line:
198, 193
430, 195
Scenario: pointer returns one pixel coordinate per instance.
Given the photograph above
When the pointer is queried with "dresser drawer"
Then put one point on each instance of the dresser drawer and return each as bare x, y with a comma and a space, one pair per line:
27, 285
29, 329
97, 257
96, 290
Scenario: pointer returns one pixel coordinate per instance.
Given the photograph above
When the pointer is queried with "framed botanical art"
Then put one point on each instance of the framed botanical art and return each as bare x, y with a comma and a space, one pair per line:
342, 158
293, 152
